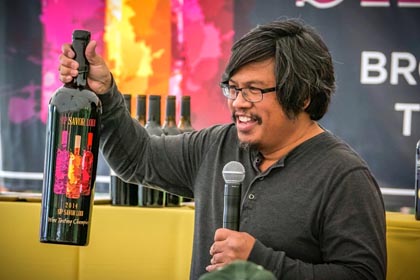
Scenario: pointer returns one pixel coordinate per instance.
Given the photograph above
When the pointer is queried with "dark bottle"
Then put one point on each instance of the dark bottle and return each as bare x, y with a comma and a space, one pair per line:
141, 109
149, 196
184, 123
123, 193
169, 127
417, 182
71, 156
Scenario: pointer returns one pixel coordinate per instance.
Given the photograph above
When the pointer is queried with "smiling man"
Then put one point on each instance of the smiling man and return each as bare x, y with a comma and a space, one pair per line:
310, 207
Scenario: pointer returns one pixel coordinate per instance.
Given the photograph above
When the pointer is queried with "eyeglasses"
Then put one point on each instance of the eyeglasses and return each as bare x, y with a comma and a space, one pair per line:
250, 94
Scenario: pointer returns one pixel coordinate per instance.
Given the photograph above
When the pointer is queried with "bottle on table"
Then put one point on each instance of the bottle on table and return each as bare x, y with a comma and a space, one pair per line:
184, 124
141, 109
169, 127
149, 195
123, 193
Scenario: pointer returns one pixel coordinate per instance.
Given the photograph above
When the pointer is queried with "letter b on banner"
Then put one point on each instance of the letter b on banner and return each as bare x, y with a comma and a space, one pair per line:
373, 69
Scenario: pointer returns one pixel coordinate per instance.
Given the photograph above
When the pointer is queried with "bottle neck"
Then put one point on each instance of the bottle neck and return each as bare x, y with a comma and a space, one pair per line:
154, 109
81, 39
185, 119
127, 101
170, 112
142, 120
141, 109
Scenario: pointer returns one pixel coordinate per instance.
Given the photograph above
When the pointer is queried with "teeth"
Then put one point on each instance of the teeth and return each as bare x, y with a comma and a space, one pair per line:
244, 119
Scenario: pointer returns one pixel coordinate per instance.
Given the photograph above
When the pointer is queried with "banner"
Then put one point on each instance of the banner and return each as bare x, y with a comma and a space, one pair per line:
181, 48
376, 53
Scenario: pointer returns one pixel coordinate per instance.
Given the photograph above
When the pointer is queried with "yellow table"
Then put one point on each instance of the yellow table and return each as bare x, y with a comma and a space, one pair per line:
403, 246
140, 243
125, 243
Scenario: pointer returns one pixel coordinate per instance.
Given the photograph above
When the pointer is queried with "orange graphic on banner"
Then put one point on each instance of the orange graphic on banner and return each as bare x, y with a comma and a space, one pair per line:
138, 45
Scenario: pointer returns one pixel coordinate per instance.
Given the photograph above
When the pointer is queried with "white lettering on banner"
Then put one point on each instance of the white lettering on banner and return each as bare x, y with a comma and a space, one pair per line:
325, 4
373, 69
407, 109
320, 4
378, 68
396, 57
375, 3
409, 3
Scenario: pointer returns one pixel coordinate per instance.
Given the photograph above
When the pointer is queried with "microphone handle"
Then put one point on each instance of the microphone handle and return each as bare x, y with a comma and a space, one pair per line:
231, 207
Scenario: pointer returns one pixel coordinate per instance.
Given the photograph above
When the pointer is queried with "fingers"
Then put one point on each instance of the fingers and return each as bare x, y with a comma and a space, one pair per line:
99, 78
68, 67
213, 267
220, 255
67, 50
217, 261
228, 246
91, 55
222, 234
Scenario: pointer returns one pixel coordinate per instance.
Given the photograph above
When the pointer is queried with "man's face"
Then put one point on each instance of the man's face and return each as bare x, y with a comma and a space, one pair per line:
262, 124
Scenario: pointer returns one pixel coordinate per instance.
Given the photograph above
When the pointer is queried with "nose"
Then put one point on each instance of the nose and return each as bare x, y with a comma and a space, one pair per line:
240, 101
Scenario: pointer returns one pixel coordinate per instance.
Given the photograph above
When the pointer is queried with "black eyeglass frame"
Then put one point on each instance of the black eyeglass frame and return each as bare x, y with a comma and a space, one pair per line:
226, 88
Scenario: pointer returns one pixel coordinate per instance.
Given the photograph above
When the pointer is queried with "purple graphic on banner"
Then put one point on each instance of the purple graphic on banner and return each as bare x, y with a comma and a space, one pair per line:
22, 105
58, 27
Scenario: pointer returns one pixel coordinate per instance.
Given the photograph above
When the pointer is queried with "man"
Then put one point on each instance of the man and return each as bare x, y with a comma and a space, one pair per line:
310, 207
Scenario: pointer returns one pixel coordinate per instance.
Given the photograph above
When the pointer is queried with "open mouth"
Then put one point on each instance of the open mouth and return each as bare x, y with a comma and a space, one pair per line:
245, 123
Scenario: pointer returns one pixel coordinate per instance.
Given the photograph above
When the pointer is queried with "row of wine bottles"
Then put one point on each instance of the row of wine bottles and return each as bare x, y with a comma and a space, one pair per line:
126, 194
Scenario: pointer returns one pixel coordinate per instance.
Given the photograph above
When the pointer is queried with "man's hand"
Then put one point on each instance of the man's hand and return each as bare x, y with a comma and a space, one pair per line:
229, 245
99, 78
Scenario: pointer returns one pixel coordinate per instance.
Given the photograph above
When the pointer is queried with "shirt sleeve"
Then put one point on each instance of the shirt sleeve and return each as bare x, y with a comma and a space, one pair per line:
169, 162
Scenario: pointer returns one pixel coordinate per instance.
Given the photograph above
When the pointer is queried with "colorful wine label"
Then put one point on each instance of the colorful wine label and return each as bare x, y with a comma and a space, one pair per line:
87, 164
75, 171
62, 165
71, 181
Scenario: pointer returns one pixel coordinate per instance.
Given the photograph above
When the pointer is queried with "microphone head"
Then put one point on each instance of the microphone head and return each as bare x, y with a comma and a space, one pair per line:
233, 173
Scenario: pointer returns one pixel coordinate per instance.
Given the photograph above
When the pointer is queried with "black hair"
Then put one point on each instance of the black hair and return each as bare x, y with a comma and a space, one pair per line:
303, 66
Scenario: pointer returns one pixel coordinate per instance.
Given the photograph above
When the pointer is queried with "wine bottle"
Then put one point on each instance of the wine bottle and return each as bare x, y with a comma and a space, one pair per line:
149, 196
417, 183
71, 156
123, 193
169, 127
184, 124
141, 109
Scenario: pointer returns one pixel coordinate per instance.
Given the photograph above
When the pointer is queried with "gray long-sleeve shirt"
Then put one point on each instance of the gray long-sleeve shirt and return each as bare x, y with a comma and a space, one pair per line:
316, 214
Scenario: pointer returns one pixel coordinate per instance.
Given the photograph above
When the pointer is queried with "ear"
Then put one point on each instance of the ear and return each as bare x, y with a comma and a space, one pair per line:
306, 104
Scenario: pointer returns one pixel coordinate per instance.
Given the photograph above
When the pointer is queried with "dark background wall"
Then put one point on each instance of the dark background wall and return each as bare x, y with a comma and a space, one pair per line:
376, 108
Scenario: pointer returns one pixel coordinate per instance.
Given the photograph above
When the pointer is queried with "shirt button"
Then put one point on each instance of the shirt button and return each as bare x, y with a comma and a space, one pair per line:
251, 196
261, 178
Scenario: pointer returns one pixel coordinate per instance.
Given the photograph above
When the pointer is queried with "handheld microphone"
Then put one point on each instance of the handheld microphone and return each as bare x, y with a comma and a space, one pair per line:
233, 174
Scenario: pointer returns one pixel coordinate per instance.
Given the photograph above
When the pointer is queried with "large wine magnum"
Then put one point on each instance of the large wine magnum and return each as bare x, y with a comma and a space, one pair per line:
71, 156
